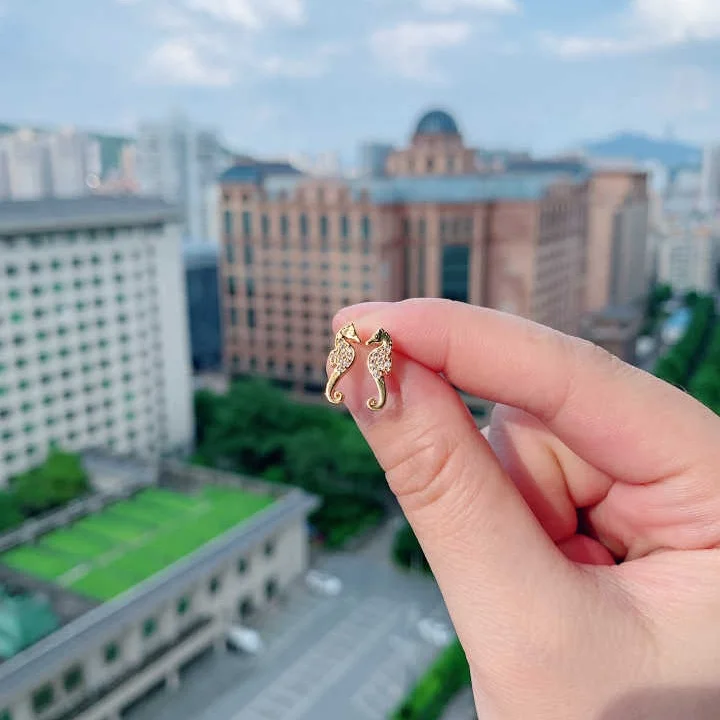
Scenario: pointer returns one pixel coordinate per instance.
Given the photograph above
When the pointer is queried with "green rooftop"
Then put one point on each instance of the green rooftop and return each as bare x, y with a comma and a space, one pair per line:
23, 621
103, 555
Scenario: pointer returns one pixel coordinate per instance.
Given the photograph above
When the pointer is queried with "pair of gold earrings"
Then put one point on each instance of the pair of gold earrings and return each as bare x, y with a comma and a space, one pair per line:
342, 356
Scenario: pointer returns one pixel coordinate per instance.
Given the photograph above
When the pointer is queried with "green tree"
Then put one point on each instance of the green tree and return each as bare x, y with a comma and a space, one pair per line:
60, 479
407, 552
10, 515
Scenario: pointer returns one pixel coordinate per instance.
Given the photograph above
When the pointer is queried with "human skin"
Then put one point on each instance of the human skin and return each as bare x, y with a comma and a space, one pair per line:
575, 541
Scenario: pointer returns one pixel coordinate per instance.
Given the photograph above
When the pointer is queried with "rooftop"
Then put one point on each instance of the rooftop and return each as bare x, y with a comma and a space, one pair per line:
446, 189
102, 556
256, 171
32, 216
437, 122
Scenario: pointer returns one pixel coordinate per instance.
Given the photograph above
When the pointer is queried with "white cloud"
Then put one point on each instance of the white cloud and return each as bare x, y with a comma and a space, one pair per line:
646, 25
490, 6
408, 49
180, 61
315, 65
253, 14
679, 20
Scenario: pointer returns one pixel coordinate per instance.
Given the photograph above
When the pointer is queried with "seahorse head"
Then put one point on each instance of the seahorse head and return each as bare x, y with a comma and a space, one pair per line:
381, 336
348, 332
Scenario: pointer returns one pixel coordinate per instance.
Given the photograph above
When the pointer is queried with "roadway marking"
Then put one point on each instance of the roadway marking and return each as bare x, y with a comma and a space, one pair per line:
314, 672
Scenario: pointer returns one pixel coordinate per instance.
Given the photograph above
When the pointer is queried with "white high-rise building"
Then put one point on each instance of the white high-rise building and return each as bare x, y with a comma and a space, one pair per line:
687, 258
94, 348
710, 179
25, 172
37, 165
75, 162
179, 162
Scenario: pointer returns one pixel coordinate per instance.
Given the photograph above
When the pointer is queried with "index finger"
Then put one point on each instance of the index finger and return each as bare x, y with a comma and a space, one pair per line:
617, 417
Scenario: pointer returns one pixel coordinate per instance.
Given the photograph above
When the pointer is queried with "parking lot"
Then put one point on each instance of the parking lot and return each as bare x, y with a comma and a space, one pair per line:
353, 656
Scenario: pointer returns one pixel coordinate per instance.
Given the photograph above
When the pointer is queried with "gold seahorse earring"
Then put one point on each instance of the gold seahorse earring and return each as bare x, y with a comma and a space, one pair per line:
341, 358
380, 364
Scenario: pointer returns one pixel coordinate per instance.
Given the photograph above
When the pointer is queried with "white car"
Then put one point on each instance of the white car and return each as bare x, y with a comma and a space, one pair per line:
435, 632
323, 583
244, 640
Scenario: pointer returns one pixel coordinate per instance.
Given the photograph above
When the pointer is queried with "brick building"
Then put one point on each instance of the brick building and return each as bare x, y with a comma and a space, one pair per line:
296, 249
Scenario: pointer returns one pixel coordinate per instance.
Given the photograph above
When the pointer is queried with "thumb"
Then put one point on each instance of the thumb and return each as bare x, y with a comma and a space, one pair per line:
499, 572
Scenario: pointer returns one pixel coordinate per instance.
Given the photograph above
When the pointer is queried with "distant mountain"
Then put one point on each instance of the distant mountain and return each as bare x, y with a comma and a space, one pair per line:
110, 146
643, 148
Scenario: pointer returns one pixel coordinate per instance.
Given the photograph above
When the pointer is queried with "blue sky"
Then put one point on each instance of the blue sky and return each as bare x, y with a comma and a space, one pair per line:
281, 76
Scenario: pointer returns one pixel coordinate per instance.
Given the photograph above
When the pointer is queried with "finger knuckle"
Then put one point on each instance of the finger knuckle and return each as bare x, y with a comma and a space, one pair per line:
422, 472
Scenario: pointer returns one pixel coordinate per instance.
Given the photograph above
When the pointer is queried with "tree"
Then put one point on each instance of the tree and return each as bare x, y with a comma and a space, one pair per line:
10, 515
60, 479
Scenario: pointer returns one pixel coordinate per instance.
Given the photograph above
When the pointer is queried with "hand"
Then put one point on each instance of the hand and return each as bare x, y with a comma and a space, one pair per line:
587, 461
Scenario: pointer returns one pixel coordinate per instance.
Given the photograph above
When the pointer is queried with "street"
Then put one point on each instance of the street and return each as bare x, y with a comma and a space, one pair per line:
352, 657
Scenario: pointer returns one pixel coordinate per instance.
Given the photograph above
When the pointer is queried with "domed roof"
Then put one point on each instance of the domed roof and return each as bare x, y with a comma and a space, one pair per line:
437, 122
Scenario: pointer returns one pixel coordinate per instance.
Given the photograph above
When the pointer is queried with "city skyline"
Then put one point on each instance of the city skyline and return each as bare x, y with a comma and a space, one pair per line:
304, 75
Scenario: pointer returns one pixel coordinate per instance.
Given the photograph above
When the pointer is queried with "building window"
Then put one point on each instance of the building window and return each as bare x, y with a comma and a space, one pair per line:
230, 252
73, 679
455, 272
324, 229
233, 317
250, 287
251, 317
228, 222
183, 605
248, 254
246, 608
231, 286
149, 628
247, 223
265, 225
43, 698
303, 226
271, 589
242, 566
284, 226
214, 585
344, 227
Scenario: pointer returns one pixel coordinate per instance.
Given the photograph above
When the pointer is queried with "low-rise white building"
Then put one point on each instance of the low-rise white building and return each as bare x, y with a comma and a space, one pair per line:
94, 348
114, 654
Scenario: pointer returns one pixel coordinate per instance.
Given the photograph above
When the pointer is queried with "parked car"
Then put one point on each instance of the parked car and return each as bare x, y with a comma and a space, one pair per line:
245, 640
435, 632
323, 583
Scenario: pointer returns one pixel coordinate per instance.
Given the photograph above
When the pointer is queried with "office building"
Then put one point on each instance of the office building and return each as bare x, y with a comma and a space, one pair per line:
688, 256
710, 179
374, 158
93, 333
296, 248
75, 163
142, 586
618, 271
25, 171
203, 296
35, 165
179, 162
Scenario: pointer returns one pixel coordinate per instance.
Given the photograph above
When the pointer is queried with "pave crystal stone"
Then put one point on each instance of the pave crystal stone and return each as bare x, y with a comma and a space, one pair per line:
342, 356
380, 363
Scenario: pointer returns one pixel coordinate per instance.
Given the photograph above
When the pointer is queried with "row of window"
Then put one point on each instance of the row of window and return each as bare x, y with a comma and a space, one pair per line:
286, 227
288, 280
16, 294
91, 234
72, 679
36, 267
